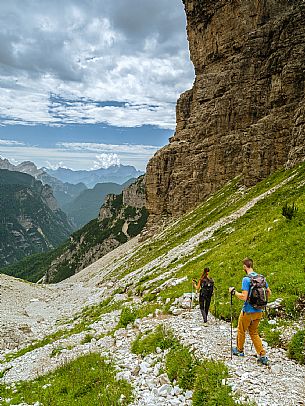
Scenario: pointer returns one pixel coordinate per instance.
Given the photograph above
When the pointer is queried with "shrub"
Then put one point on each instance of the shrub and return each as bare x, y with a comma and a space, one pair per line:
180, 366
208, 387
56, 351
289, 211
128, 315
87, 339
161, 337
296, 347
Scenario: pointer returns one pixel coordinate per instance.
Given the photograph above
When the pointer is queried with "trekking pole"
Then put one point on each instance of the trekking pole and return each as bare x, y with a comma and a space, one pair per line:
192, 297
215, 303
232, 323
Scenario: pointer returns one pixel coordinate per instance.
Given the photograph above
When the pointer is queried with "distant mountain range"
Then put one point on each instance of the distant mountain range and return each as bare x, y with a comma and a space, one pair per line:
63, 192
120, 218
86, 205
115, 173
70, 188
30, 219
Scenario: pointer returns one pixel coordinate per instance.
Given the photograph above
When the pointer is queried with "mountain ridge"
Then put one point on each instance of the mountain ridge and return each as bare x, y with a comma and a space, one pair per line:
120, 218
30, 218
63, 192
85, 207
115, 173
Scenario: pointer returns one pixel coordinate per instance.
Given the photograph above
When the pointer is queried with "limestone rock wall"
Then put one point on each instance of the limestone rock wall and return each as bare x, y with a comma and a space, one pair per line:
245, 114
134, 195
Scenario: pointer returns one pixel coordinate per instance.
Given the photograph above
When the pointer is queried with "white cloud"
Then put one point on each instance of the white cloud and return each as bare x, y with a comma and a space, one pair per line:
81, 155
88, 52
55, 165
110, 148
106, 160
10, 142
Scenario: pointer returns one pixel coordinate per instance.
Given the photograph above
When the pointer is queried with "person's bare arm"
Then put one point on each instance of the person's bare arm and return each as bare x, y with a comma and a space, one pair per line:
242, 296
269, 293
196, 285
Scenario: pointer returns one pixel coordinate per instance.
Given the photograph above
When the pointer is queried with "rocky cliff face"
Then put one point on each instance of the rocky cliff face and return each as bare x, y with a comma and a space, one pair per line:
134, 195
30, 220
245, 114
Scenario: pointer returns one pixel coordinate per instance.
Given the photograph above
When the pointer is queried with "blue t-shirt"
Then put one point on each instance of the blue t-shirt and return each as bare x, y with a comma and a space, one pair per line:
247, 308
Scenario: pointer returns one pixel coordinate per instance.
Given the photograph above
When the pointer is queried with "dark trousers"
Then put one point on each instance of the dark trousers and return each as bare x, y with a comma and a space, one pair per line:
204, 303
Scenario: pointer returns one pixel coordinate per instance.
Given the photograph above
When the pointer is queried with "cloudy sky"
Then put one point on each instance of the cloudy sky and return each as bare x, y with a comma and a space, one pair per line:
88, 83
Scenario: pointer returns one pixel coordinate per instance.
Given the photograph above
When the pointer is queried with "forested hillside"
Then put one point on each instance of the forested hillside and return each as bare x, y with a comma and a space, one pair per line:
121, 217
30, 220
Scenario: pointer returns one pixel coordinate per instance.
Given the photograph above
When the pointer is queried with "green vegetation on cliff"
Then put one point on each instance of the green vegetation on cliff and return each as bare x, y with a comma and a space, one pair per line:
84, 246
30, 222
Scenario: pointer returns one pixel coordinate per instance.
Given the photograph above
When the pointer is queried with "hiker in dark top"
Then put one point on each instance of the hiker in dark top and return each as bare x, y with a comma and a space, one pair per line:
205, 286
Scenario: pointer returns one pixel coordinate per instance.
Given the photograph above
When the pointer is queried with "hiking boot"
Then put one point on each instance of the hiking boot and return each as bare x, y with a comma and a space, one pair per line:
235, 351
263, 360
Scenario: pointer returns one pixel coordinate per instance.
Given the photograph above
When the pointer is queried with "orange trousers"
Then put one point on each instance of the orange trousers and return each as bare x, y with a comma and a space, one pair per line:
249, 322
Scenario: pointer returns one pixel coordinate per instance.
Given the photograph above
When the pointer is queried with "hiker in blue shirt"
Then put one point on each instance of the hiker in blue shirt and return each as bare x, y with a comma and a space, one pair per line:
250, 315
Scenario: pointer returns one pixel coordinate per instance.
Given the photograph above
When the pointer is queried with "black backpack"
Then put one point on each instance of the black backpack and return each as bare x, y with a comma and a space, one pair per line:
257, 296
207, 287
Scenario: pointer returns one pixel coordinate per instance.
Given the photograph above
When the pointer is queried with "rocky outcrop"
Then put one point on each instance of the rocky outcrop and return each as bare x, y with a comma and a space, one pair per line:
245, 115
134, 195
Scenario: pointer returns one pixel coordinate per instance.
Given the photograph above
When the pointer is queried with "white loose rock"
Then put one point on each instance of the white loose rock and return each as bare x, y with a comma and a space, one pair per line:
165, 390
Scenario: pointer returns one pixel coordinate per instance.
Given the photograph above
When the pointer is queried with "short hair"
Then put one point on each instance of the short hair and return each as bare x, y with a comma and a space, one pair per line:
248, 262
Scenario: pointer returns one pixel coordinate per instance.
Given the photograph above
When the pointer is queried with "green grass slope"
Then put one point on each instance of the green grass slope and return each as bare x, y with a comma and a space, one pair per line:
237, 223
234, 223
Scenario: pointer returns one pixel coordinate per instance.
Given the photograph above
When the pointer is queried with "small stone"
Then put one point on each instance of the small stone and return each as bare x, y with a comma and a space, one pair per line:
136, 370
176, 311
163, 379
174, 402
276, 369
176, 391
144, 367
188, 394
137, 322
156, 369
165, 390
